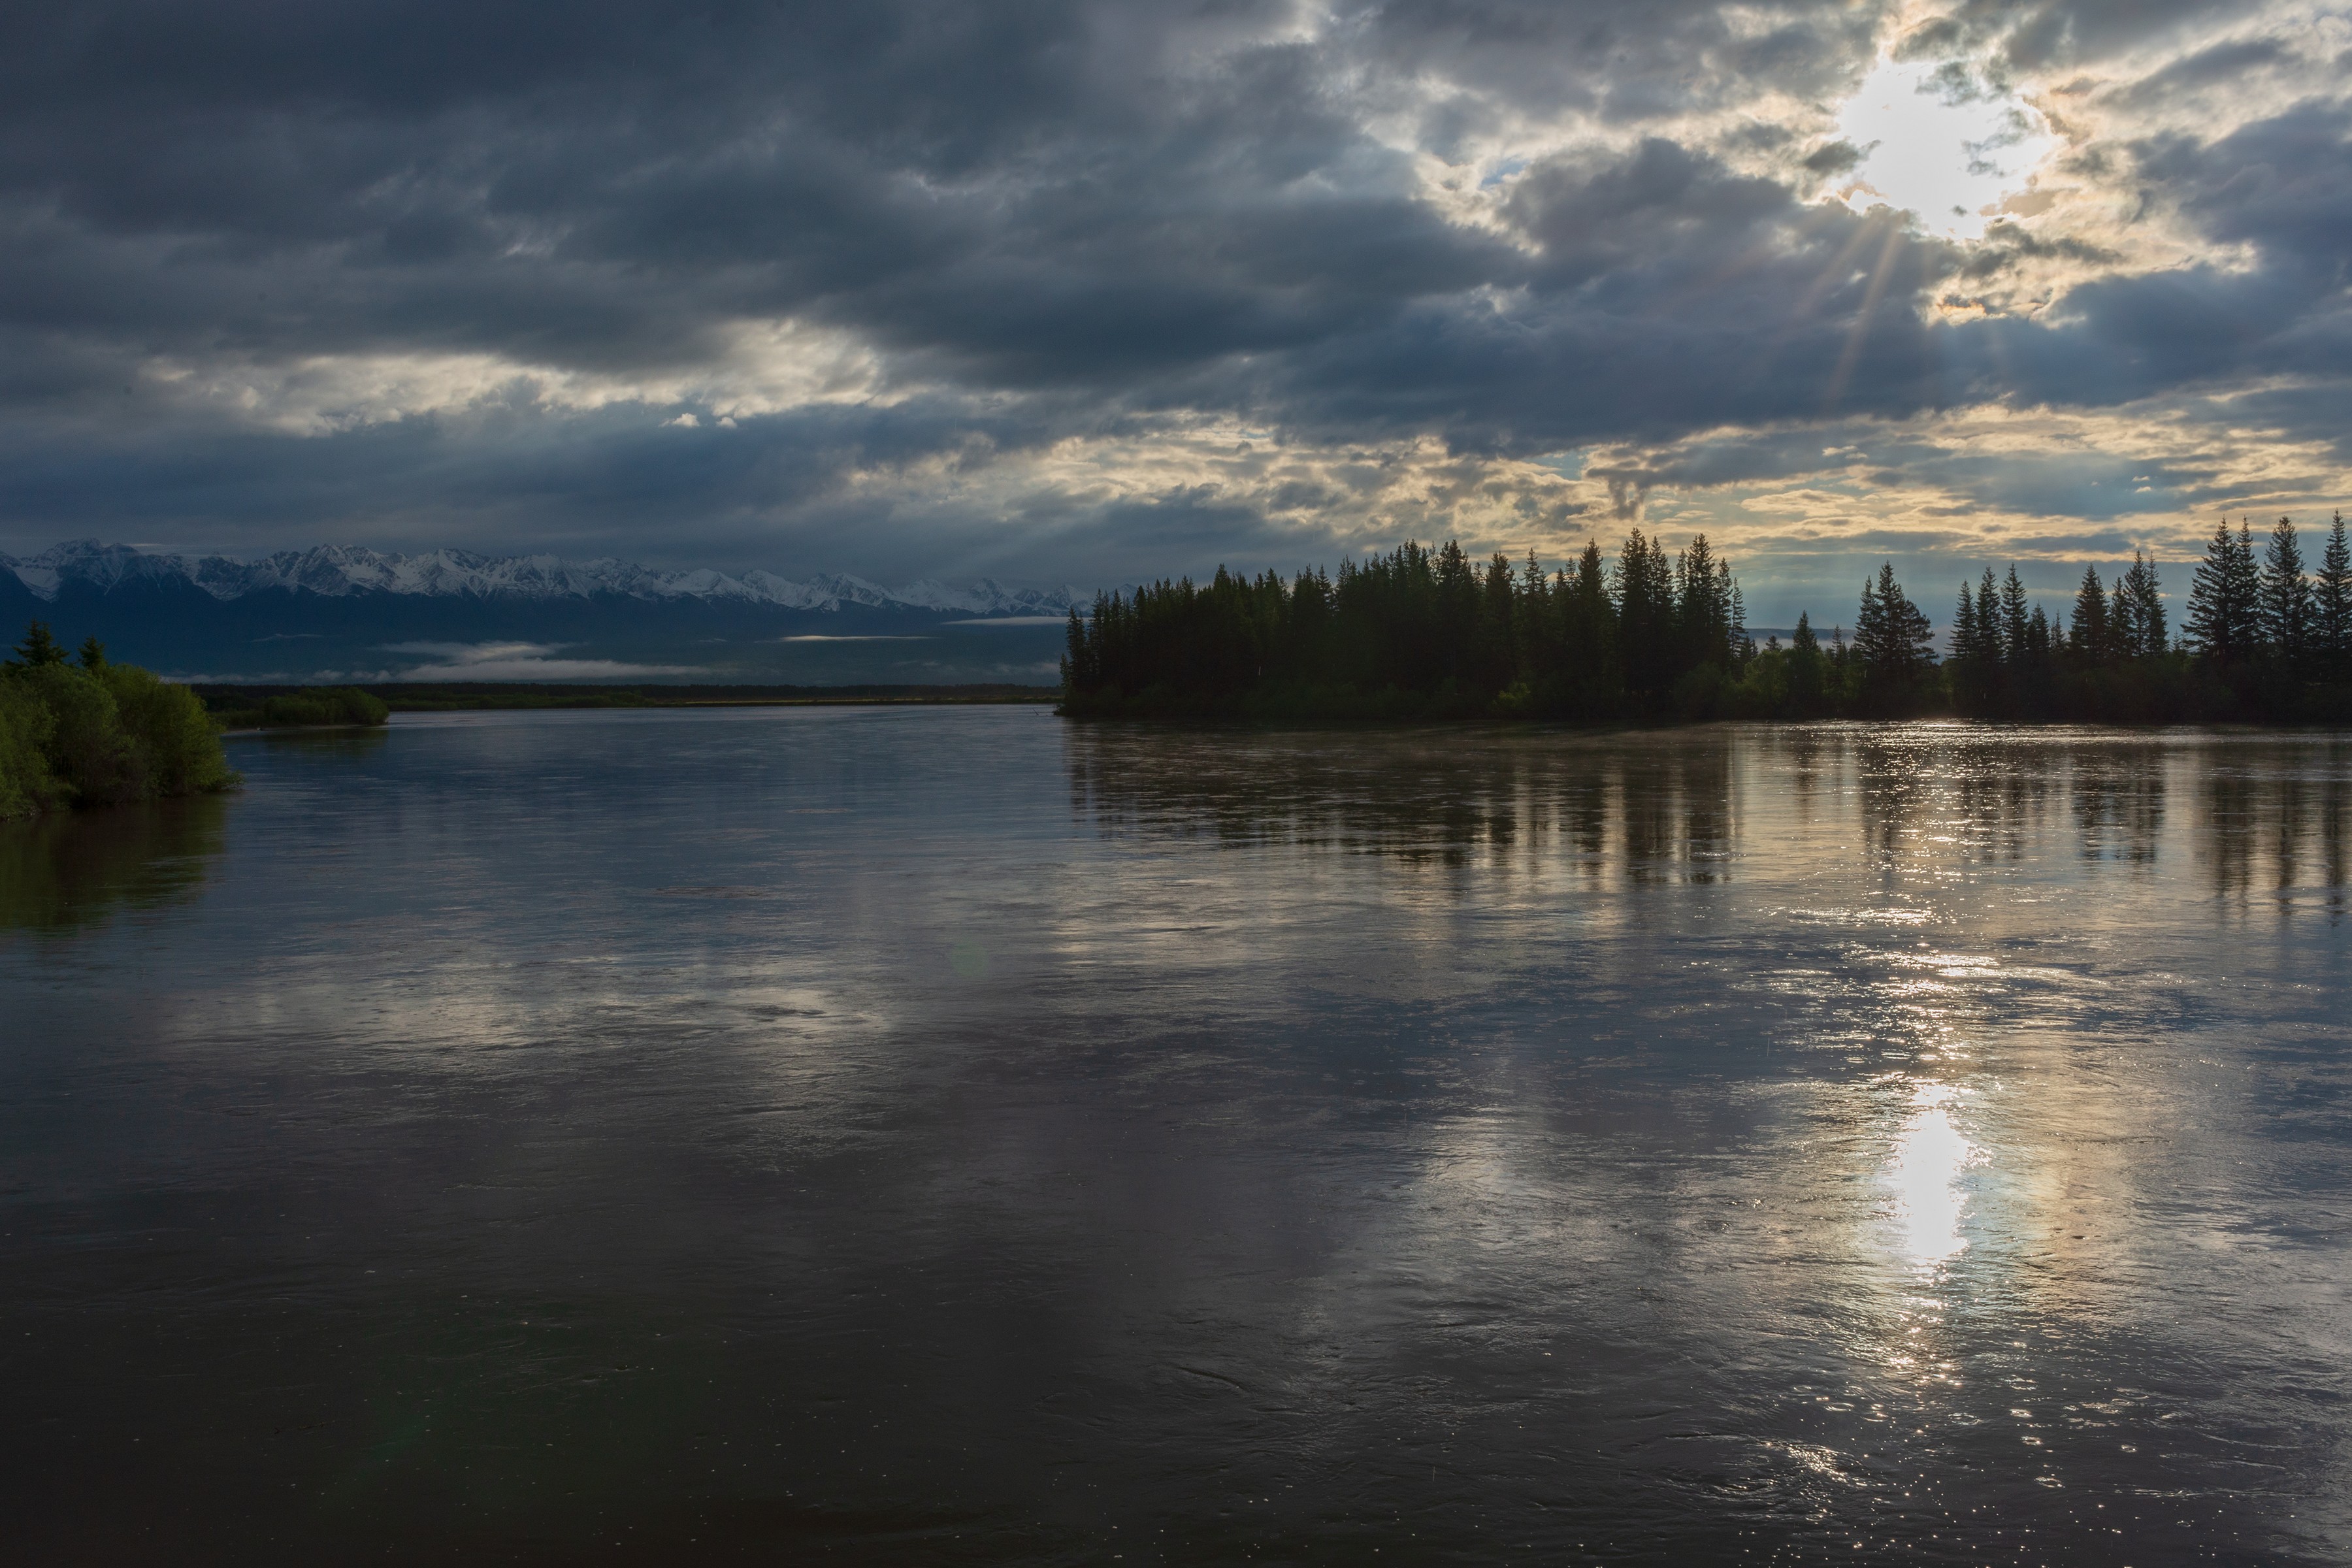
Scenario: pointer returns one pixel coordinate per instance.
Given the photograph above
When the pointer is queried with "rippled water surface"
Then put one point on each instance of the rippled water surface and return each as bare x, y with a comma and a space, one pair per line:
949, 1135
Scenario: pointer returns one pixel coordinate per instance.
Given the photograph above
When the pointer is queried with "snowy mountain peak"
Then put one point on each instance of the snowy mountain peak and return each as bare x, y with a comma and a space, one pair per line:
339, 571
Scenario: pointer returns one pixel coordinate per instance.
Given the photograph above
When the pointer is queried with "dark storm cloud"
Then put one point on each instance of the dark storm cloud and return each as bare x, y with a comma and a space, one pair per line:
1052, 220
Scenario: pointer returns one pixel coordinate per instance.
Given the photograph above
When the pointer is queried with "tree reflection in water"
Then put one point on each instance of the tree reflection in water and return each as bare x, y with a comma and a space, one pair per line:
1663, 805
69, 869
1644, 806
2274, 824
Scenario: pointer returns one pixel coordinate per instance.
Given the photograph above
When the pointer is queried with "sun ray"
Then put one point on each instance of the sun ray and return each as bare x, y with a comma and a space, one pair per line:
1861, 328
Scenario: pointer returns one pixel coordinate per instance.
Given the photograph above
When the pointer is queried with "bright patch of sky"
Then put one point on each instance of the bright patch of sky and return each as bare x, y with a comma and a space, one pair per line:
1948, 159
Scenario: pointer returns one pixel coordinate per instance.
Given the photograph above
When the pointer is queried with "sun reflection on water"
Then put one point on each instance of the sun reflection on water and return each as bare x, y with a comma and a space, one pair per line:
1930, 1154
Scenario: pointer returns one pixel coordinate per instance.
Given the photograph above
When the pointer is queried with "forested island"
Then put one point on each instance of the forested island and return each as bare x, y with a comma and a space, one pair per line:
1654, 635
93, 732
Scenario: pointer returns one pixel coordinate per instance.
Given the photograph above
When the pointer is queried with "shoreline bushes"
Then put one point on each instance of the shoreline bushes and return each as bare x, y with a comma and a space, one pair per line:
98, 733
313, 707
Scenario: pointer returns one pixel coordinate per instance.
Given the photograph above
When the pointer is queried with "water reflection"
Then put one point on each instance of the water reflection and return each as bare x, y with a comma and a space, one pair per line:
2276, 817
1643, 808
2119, 794
1930, 1157
952, 1135
72, 869
2275, 814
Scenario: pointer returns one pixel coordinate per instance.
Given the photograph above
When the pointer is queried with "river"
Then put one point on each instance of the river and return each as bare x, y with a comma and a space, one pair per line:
951, 1135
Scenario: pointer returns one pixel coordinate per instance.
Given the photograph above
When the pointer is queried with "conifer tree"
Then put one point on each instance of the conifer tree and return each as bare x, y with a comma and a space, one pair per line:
2090, 636
1076, 676
2332, 606
1891, 639
1644, 594
1589, 637
1975, 670
2147, 637
2012, 618
1807, 669
2247, 581
1498, 630
1703, 610
2285, 599
38, 649
2225, 609
93, 654
1532, 627
1457, 615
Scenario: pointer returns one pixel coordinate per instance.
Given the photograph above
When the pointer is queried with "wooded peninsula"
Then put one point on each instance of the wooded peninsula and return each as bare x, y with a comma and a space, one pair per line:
97, 732
1654, 635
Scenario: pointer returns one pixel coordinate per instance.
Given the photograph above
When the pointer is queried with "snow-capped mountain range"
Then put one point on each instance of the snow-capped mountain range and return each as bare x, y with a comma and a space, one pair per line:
335, 571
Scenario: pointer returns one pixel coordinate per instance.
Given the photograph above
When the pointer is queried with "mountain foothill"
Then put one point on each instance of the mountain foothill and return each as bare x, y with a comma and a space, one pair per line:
340, 613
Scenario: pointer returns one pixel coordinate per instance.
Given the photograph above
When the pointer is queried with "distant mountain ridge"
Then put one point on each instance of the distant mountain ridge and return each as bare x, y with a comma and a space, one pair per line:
339, 571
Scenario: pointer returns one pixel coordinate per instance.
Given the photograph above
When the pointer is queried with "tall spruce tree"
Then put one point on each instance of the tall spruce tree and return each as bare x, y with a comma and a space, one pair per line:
1808, 671
1644, 594
2332, 607
2012, 618
1891, 639
2089, 636
1975, 669
2285, 599
2224, 620
1743, 647
1702, 605
1991, 644
2145, 596
39, 650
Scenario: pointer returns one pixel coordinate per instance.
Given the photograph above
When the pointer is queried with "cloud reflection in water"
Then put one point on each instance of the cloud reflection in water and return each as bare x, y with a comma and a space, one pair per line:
1725, 1140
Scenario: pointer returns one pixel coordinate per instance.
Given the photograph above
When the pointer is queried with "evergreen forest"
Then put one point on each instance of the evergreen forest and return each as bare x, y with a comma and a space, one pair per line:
1651, 635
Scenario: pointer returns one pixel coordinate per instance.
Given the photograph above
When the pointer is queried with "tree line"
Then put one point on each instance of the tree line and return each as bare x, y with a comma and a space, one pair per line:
1652, 634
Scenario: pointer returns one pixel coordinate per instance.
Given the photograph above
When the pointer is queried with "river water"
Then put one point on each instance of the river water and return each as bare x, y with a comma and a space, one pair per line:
951, 1135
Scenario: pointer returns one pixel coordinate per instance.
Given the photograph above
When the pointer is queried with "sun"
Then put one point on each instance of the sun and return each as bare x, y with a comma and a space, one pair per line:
1948, 154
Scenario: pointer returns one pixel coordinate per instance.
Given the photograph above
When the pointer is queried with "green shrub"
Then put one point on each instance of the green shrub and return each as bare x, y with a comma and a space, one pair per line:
170, 730
364, 707
27, 786
325, 705
101, 734
89, 751
302, 710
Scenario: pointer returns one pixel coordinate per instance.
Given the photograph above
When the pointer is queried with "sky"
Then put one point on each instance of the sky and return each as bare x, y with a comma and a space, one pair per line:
1084, 292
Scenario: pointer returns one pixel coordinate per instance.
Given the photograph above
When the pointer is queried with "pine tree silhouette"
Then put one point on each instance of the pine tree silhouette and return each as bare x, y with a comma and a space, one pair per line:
2332, 606
37, 649
2285, 599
